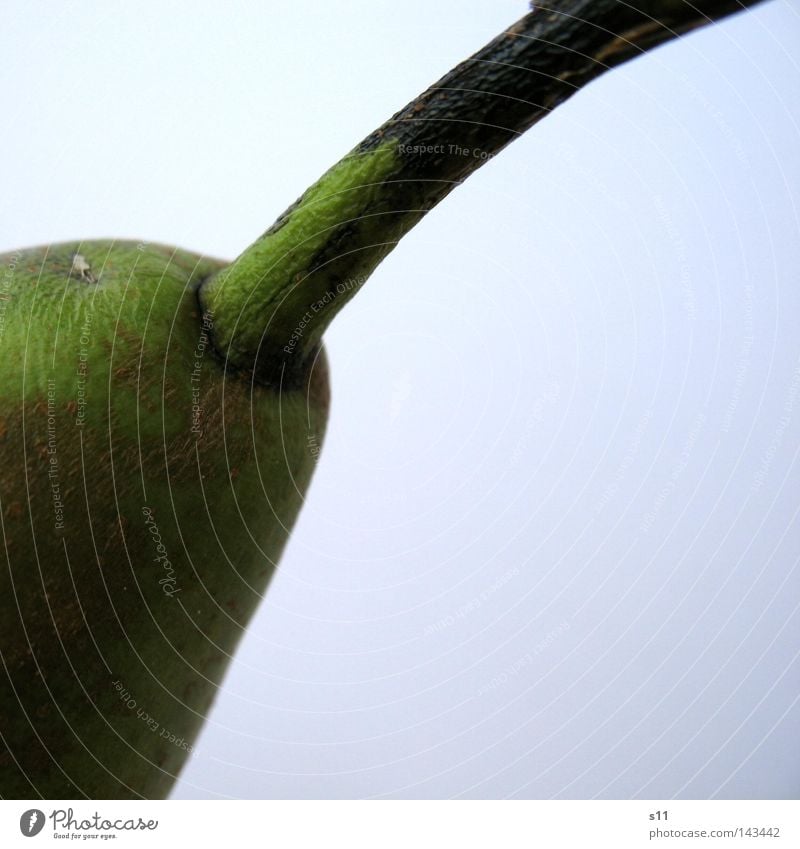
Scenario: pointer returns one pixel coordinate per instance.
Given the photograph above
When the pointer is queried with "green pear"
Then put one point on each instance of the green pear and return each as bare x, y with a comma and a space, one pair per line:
161, 413
146, 497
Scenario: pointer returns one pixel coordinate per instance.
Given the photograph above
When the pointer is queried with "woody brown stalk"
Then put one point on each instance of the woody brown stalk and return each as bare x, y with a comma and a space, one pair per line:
272, 305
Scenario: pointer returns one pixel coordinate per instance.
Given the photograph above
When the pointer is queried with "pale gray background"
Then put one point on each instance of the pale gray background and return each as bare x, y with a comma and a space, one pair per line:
551, 548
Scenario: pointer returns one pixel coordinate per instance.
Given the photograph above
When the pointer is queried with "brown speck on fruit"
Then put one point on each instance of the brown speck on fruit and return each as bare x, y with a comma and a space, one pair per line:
3, 429
14, 510
72, 407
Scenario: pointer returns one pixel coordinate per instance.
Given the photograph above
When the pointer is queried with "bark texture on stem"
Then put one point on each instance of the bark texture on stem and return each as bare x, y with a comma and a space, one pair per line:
273, 303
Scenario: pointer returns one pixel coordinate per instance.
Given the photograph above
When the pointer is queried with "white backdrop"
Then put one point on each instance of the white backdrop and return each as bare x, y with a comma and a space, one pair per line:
551, 547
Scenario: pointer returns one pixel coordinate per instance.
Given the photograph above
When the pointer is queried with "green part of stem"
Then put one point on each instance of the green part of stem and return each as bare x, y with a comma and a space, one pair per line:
281, 293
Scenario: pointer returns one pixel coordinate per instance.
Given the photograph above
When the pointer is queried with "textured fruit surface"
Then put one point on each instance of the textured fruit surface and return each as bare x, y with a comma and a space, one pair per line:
146, 493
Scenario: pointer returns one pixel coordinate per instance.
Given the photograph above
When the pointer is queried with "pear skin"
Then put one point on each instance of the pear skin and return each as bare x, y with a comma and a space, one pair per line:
147, 493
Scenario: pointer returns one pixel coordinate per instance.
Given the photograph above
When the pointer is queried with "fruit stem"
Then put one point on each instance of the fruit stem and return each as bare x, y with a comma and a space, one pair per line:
272, 304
